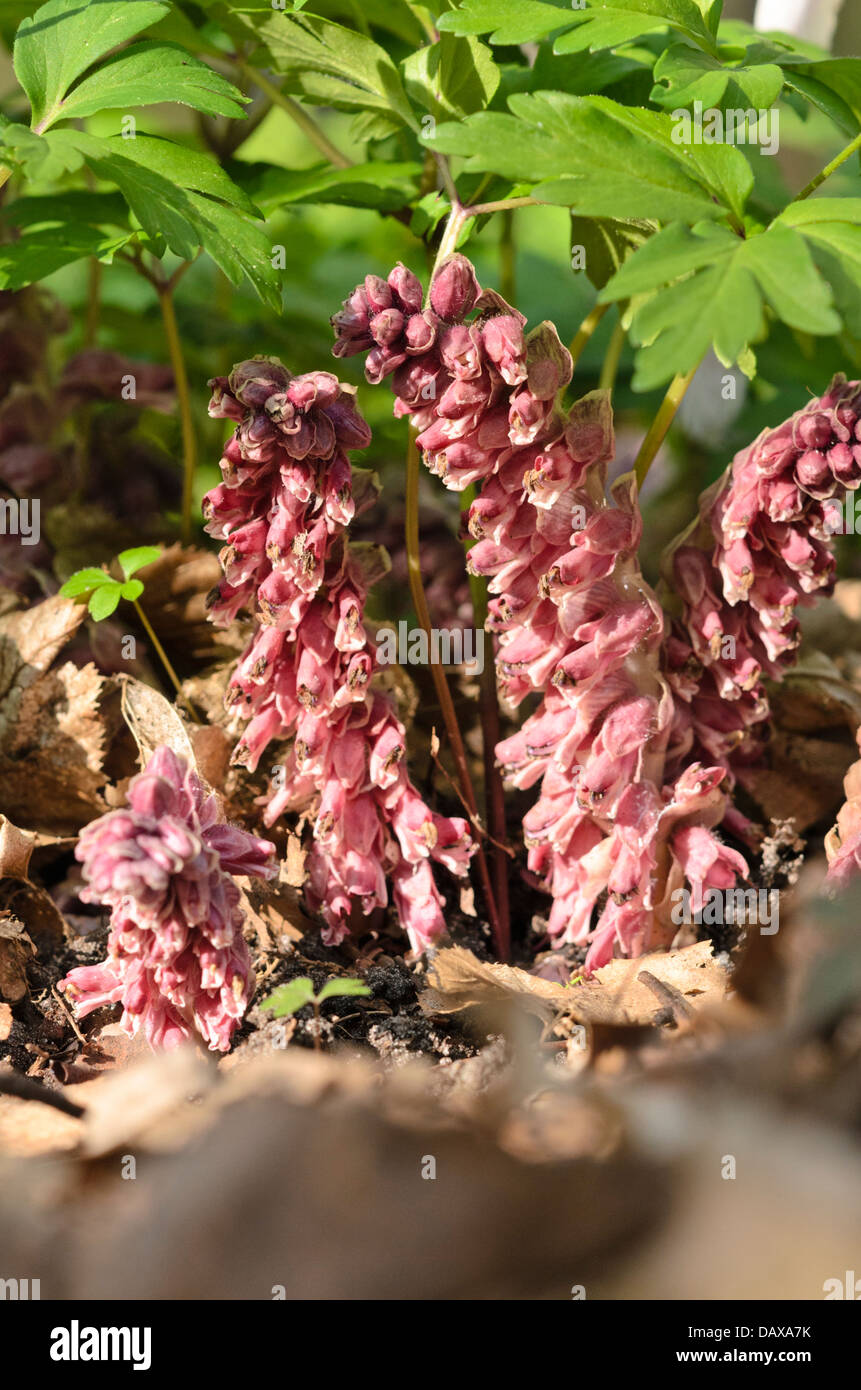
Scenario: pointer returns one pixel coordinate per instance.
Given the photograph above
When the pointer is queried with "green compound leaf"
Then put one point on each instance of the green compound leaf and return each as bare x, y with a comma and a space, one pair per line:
290, 997
336, 988
452, 77
104, 600
597, 156
135, 559
706, 287
599, 23
685, 74
65, 37
149, 73
84, 582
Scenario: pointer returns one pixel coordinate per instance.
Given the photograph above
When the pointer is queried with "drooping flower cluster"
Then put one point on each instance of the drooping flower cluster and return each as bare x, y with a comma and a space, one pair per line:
288, 494
177, 961
763, 548
573, 617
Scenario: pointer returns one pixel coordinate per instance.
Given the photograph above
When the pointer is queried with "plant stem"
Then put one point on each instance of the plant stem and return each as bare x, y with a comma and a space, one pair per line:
829, 169
297, 113
448, 182
449, 715
180, 376
165, 661
661, 424
507, 260
488, 704
503, 205
448, 243
610, 365
585, 331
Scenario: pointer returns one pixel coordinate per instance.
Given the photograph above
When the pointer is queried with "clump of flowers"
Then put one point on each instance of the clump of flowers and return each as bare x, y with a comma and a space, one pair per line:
611, 835
177, 960
288, 494
762, 548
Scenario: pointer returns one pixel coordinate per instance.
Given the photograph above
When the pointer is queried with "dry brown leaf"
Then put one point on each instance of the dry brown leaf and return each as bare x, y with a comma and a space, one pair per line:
815, 713
15, 850
458, 980
52, 734
16, 949
154, 721
176, 587
803, 780
30, 639
269, 1139
124, 1104
273, 910
294, 871
27, 1130
51, 759
30, 903
212, 751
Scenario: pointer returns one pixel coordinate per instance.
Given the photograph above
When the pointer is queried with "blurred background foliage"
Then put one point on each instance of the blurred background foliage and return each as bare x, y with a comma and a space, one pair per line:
329, 247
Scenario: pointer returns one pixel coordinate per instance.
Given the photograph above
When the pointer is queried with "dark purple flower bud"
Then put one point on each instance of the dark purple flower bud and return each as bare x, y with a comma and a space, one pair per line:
548, 362
815, 430
407, 287
419, 335
455, 289
387, 326
353, 317
379, 294
254, 381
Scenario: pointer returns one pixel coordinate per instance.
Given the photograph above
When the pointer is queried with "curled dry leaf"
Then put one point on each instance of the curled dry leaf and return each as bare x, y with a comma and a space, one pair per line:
815, 713
459, 980
29, 903
16, 949
54, 725
154, 722
15, 850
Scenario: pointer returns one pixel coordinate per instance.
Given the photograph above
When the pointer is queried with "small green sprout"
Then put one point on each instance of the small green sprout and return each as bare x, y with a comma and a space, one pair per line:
292, 997
103, 593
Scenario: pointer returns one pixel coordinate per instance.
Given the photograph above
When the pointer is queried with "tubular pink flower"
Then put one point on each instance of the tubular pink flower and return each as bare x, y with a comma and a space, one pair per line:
573, 618
288, 495
177, 961
762, 550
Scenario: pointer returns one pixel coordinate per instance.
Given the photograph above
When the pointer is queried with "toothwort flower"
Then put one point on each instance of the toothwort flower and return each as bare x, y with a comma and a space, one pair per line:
762, 549
288, 495
573, 618
177, 960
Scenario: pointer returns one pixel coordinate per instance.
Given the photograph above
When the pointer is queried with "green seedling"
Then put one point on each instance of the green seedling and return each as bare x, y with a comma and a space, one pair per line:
292, 997
102, 594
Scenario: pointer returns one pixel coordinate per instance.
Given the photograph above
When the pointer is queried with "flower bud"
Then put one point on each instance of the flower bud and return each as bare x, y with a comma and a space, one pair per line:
454, 289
